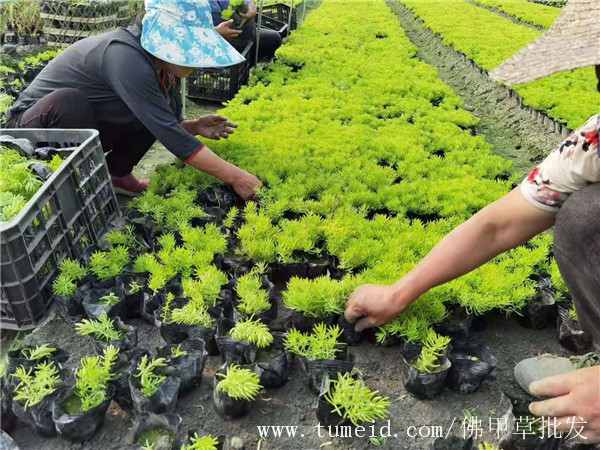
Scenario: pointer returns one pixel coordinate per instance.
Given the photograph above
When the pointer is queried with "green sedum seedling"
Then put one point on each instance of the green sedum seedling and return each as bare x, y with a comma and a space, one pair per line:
353, 401
146, 372
92, 380
433, 348
253, 298
201, 443
252, 331
38, 352
36, 383
102, 330
176, 352
111, 299
321, 344
239, 383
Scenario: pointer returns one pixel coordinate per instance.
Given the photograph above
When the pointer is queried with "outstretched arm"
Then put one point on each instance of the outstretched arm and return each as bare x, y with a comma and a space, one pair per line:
505, 224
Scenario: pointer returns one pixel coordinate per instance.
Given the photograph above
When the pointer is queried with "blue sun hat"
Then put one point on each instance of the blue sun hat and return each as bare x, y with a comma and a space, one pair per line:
181, 32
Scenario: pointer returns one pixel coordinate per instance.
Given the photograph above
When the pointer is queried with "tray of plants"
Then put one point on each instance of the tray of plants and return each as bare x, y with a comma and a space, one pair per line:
57, 199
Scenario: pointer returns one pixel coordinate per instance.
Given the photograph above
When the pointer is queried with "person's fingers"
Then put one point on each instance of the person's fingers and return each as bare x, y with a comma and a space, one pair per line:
553, 386
220, 118
231, 124
365, 322
229, 22
554, 407
229, 130
353, 308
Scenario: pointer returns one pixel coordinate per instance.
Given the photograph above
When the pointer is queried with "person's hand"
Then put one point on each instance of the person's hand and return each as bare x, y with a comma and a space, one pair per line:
214, 127
575, 399
372, 305
246, 184
251, 13
225, 30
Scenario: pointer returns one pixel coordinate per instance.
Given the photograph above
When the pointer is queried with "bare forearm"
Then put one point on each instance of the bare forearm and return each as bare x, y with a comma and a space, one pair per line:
208, 162
507, 223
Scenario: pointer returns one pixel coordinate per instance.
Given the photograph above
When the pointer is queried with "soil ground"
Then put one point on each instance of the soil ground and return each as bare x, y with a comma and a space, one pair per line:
514, 135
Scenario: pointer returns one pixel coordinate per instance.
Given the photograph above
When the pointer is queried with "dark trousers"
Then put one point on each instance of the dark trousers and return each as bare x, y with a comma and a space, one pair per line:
270, 41
125, 143
577, 252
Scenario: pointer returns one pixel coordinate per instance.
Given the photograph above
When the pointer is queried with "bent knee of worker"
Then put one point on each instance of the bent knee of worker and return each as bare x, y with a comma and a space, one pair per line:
577, 221
74, 107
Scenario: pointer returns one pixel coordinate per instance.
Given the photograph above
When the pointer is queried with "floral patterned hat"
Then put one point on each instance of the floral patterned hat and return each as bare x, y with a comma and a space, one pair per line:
572, 42
181, 32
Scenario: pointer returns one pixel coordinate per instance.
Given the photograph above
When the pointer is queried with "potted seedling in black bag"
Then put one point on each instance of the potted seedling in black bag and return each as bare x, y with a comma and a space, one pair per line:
72, 277
30, 356
320, 353
187, 359
255, 294
346, 399
570, 334
154, 386
107, 266
425, 376
239, 342
156, 432
34, 394
105, 301
235, 390
274, 362
79, 411
234, 12
315, 301
183, 318
106, 331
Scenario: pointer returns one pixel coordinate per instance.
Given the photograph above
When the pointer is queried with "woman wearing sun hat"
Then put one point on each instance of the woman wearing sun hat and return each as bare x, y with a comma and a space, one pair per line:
564, 192
126, 84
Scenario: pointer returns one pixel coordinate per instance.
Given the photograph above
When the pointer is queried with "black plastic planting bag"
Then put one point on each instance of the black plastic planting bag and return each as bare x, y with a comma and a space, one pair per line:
23, 146
111, 283
169, 422
349, 334
570, 335
234, 266
471, 365
15, 358
188, 367
542, 310
81, 426
306, 323
71, 309
133, 300
38, 416
174, 333
42, 171
217, 196
94, 309
127, 342
162, 401
7, 417
316, 369
325, 413
410, 350
425, 385
151, 304
284, 272
456, 325
232, 350
226, 405
273, 364
126, 364
45, 153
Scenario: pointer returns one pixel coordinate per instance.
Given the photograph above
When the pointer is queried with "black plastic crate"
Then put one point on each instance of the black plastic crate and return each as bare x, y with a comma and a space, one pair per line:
220, 84
281, 12
74, 208
274, 24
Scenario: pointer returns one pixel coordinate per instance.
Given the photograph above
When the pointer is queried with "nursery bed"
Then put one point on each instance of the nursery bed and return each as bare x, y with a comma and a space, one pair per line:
294, 404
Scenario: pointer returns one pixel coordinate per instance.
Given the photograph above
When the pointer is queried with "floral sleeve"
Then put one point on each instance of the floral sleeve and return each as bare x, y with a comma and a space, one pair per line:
571, 166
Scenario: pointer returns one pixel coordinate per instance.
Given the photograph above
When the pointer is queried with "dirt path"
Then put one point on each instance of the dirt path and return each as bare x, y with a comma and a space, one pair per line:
514, 134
